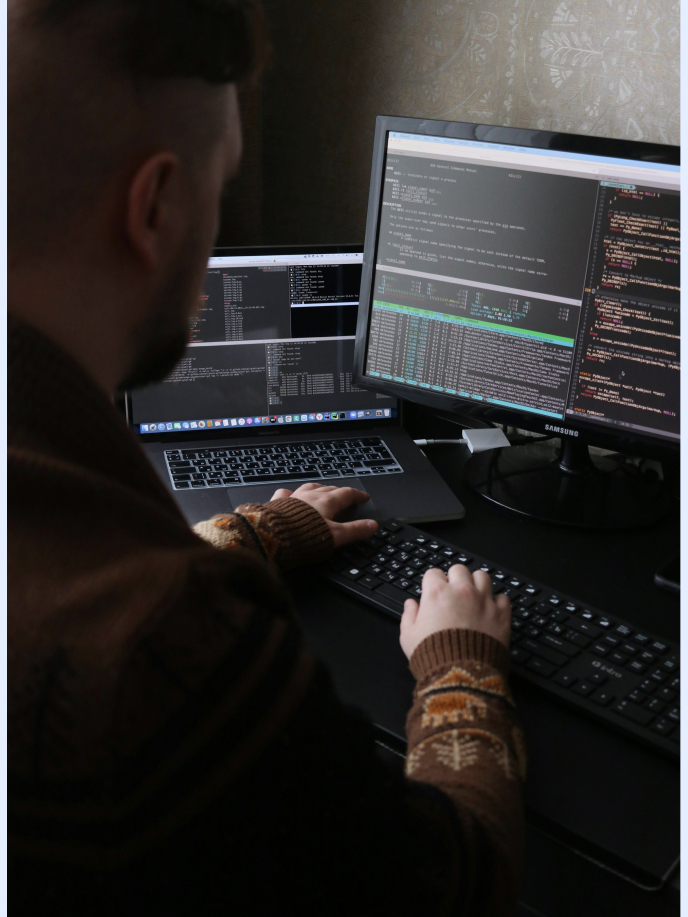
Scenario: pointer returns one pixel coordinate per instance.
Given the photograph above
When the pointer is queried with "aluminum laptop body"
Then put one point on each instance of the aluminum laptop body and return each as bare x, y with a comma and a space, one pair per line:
264, 396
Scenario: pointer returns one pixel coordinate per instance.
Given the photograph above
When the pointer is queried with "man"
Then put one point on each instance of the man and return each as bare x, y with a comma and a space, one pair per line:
172, 747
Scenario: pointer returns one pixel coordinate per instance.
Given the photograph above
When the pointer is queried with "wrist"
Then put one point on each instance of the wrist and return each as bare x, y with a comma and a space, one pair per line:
446, 647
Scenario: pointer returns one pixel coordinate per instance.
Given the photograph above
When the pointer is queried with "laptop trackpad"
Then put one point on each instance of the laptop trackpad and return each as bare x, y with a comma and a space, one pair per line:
263, 493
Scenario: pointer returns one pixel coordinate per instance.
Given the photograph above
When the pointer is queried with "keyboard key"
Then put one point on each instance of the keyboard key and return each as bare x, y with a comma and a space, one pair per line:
598, 678
577, 639
658, 675
561, 646
605, 623
599, 649
571, 607
655, 705
554, 600
353, 573
232, 479
559, 616
519, 655
670, 665
649, 687
545, 652
624, 630
530, 589
388, 577
663, 727
674, 715
181, 484
541, 667
637, 696
666, 694
565, 680
632, 712
603, 697
586, 615
584, 627
618, 658
584, 687
659, 647
391, 592
636, 666
369, 581
642, 639
611, 641
628, 648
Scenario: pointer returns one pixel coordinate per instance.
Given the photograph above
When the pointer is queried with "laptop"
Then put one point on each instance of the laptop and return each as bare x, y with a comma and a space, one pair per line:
264, 396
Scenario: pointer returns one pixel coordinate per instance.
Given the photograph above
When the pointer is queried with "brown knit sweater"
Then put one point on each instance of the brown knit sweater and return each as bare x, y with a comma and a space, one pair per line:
173, 749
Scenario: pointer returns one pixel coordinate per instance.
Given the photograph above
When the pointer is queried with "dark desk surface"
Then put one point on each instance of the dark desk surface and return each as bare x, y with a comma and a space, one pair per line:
595, 800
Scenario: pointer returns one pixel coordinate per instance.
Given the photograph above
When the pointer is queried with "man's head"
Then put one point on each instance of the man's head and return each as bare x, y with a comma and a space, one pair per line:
123, 130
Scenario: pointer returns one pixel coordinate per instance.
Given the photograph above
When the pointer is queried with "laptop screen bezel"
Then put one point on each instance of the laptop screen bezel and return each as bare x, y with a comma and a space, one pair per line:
342, 426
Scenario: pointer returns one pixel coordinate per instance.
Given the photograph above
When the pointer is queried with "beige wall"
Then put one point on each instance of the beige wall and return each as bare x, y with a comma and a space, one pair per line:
604, 67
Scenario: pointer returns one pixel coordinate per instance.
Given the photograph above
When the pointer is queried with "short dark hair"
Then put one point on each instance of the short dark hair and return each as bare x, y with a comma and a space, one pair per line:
218, 41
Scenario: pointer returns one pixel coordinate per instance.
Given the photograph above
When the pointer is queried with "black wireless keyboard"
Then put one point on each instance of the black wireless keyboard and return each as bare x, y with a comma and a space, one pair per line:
625, 677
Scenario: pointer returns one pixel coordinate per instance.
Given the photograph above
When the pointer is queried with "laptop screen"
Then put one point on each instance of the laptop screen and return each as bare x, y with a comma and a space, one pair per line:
272, 344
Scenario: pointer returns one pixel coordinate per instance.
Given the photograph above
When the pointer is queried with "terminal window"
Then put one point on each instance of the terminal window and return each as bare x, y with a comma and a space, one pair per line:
542, 289
267, 339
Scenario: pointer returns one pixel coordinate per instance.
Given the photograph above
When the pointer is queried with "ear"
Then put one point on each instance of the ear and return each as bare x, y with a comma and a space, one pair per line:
154, 208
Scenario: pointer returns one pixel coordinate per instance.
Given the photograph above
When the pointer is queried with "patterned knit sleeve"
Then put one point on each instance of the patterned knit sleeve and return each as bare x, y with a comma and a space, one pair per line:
287, 532
465, 739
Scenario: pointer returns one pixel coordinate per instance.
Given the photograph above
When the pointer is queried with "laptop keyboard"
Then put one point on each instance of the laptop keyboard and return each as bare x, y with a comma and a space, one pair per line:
237, 466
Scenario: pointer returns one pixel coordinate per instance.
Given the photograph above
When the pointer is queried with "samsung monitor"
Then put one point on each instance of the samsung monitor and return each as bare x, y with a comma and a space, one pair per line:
529, 278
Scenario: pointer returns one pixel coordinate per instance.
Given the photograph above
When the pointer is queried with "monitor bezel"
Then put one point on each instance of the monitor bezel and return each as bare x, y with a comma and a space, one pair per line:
631, 442
329, 427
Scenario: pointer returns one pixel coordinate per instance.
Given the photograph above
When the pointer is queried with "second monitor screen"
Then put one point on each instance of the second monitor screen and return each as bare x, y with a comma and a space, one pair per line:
529, 281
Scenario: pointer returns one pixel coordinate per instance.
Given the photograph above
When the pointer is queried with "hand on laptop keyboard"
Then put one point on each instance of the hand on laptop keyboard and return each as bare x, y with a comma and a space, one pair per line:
457, 599
329, 501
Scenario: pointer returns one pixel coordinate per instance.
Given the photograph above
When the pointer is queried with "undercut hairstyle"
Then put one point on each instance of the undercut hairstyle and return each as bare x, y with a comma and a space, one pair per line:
94, 83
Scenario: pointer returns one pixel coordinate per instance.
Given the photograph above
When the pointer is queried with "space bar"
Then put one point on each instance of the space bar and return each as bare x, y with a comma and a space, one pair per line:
289, 476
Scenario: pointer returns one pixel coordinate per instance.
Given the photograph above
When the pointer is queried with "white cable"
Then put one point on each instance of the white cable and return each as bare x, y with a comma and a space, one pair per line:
476, 440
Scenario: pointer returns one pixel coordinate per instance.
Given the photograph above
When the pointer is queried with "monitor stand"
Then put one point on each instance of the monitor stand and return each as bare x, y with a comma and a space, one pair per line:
571, 487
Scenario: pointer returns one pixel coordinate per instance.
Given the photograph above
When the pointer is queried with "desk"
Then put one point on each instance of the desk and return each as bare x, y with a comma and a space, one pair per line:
586, 798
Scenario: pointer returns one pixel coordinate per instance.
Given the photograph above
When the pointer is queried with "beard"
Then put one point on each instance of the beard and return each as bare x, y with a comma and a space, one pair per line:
163, 335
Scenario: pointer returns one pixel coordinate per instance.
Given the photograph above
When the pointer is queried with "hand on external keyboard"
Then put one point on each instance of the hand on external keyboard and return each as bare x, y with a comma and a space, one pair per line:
329, 501
458, 600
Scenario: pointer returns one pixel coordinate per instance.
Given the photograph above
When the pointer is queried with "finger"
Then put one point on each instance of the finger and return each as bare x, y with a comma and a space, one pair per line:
281, 493
433, 576
503, 604
483, 583
346, 532
459, 575
410, 613
311, 485
342, 497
